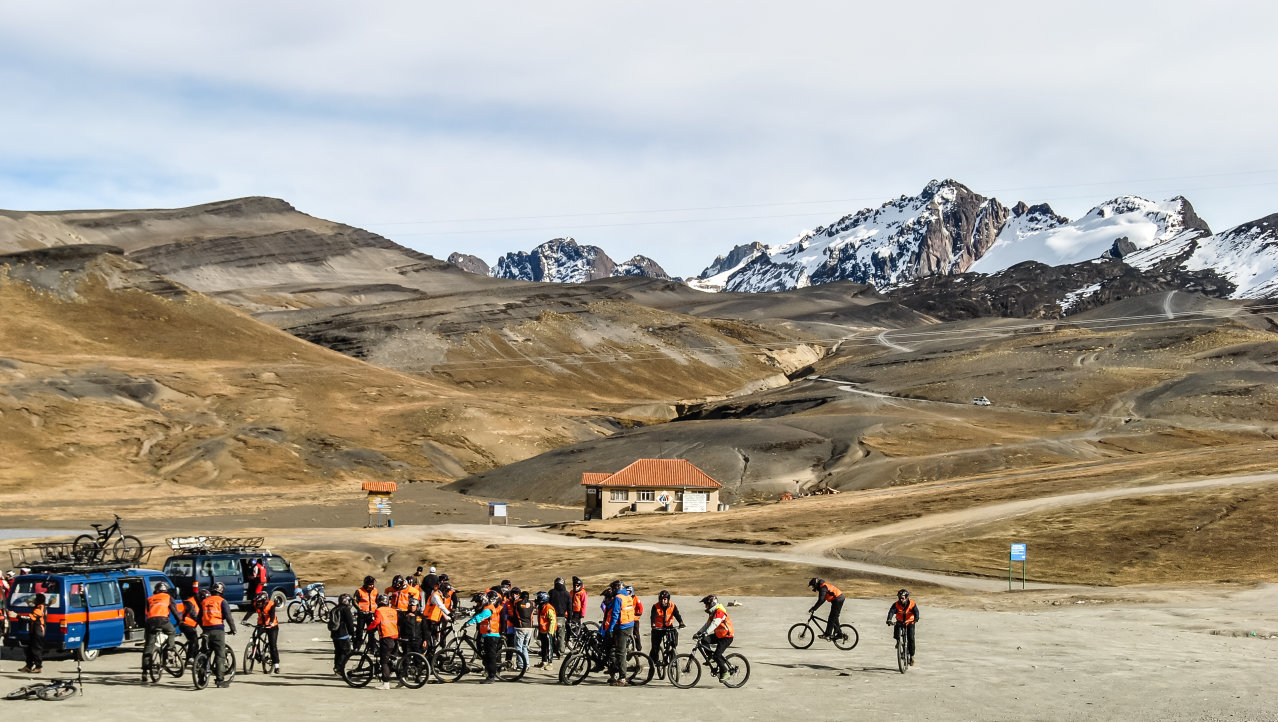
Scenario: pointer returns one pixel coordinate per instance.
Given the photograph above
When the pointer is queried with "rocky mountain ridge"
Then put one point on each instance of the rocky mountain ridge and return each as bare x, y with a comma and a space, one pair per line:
561, 260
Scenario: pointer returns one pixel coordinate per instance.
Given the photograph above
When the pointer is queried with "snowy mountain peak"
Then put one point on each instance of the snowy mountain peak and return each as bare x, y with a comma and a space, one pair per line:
563, 260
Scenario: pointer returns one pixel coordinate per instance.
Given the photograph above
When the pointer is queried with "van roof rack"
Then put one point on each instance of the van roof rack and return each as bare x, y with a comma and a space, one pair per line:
212, 544
62, 557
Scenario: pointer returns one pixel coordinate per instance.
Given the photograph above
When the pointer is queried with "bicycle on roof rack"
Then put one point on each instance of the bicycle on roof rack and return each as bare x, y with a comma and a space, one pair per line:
106, 544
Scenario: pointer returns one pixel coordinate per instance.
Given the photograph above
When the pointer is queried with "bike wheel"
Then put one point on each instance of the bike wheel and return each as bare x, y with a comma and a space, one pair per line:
738, 671
296, 612
639, 668
326, 611
155, 668
200, 671
361, 673
85, 548
902, 653
57, 692
848, 638
801, 636
574, 668
174, 660
414, 670
127, 548
448, 665
25, 691
512, 666
251, 656
684, 671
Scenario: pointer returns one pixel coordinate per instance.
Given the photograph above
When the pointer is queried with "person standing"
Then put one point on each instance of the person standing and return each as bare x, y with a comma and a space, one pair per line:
438, 613
429, 583
664, 617
524, 620
561, 600
365, 607
267, 619
386, 623
489, 620
160, 607
35, 634
547, 624
342, 629
618, 626
215, 617
827, 592
907, 615
578, 611
257, 578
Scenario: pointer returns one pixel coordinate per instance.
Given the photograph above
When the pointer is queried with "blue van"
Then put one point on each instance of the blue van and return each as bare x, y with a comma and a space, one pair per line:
89, 611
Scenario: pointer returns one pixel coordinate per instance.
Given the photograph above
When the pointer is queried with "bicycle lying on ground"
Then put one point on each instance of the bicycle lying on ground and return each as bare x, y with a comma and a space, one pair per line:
311, 604
902, 647
412, 669
685, 670
593, 656
803, 634
98, 547
202, 663
53, 690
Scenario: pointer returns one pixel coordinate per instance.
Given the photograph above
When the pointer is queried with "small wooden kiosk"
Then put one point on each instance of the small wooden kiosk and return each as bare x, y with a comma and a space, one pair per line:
379, 501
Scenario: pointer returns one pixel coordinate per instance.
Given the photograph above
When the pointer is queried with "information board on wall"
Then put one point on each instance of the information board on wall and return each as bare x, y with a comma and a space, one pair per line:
695, 502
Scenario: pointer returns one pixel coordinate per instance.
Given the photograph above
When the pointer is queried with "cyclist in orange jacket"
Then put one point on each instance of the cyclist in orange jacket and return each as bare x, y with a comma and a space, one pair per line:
827, 592
160, 606
268, 619
907, 615
720, 625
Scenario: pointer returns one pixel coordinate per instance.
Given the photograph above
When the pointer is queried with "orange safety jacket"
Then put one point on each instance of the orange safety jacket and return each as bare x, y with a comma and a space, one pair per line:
665, 616
190, 612
638, 606
904, 615
158, 605
211, 611
725, 627
435, 610
366, 600
546, 621
579, 601
491, 625
266, 616
627, 615
386, 620
36, 620
831, 592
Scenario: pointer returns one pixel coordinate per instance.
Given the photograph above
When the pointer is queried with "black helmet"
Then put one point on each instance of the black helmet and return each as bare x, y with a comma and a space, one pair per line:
478, 598
559, 580
443, 577
616, 585
162, 588
202, 594
343, 600
542, 597
576, 581
709, 601
369, 580
663, 594
903, 593
219, 588
445, 587
383, 600
815, 582
261, 599
398, 581
494, 596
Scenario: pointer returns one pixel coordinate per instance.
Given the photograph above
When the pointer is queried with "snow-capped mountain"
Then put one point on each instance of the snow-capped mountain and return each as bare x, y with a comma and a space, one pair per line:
715, 276
943, 230
1246, 255
563, 260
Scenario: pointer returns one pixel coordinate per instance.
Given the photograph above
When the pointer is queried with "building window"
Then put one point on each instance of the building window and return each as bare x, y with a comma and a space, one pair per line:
647, 495
619, 495
679, 496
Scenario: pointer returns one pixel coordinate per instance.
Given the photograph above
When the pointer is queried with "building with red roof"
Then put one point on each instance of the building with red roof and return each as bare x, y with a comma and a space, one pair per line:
649, 485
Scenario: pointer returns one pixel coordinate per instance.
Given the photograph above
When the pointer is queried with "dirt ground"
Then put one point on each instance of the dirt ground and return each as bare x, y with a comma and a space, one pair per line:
1075, 662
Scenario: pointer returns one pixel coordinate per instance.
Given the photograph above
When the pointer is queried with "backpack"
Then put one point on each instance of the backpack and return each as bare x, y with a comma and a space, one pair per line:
335, 620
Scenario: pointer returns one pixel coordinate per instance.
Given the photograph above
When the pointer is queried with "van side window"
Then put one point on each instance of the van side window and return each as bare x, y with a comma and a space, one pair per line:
104, 594
276, 564
225, 568
75, 596
179, 568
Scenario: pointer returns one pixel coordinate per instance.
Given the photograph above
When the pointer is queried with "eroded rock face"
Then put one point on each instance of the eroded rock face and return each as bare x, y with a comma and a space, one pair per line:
469, 263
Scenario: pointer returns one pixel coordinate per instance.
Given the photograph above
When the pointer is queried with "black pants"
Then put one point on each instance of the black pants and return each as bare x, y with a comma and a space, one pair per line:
362, 620
832, 629
35, 648
341, 653
273, 644
388, 650
618, 652
491, 649
217, 645
153, 629
909, 637
719, 644
547, 646
192, 635
659, 635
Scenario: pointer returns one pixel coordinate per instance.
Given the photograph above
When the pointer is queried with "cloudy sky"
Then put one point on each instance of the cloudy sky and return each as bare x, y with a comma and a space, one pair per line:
676, 130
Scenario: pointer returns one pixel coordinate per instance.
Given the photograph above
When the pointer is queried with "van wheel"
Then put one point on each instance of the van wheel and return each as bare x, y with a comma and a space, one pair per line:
84, 654
279, 598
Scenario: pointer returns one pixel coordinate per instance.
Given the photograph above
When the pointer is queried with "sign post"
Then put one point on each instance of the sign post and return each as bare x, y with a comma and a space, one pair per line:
1017, 554
498, 509
379, 501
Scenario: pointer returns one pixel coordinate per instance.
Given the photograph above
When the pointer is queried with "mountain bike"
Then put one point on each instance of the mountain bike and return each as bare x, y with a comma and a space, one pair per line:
53, 690
461, 655
257, 651
902, 647
412, 669
166, 659
577, 632
803, 634
311, 604
202, 663
685, 670
98, 547
594, 656
665, 653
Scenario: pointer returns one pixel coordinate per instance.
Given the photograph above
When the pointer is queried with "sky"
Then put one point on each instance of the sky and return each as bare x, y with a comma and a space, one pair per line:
673, 129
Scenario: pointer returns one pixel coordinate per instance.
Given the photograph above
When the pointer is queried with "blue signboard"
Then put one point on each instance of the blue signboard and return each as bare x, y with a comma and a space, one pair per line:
1018, 552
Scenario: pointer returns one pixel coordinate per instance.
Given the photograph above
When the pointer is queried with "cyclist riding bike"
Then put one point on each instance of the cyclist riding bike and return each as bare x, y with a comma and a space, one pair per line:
907, 615
827, 592
663, 617
267, 619
189, 619
159, 607
215, 618
720, 625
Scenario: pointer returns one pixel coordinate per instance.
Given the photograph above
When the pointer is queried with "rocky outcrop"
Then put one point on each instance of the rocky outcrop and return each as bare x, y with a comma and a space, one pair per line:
469, 263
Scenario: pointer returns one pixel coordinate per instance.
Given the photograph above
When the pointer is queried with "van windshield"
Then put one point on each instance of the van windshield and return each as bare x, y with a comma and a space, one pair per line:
24, 593
179, 568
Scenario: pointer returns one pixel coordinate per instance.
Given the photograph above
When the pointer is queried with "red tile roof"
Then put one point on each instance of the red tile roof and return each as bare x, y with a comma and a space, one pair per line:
654, 473
379, 486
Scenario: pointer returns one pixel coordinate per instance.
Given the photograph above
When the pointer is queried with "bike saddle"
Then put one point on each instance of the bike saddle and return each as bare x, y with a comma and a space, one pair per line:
96, 526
